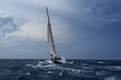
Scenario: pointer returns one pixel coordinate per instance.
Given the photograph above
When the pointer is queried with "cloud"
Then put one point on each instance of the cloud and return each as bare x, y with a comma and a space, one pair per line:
36, 31
84, 25
96, 12
36, 28
8, 24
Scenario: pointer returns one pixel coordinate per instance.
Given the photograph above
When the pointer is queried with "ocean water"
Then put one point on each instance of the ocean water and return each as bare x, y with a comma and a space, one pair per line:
78, 69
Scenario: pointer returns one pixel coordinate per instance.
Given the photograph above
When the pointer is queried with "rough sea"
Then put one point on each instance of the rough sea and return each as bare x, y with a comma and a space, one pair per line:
78, 69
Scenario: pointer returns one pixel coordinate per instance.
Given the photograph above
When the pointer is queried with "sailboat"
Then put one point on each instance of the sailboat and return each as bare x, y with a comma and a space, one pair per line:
54, 57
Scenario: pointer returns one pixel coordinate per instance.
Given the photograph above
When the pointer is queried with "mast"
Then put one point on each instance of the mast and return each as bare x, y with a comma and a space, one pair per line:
50, 37
48, 17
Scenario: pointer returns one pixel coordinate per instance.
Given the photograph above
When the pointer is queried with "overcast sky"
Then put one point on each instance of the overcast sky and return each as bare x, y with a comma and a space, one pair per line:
82, 29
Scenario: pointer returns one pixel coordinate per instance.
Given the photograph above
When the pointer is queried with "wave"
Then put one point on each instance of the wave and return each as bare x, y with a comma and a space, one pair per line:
113, 78
71, 62
113, 68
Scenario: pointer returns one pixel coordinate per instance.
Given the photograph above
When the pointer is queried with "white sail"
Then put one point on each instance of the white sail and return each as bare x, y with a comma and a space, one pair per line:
54, 58
50, 38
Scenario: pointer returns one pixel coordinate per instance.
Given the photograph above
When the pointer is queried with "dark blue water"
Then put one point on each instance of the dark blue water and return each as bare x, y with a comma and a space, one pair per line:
34, 69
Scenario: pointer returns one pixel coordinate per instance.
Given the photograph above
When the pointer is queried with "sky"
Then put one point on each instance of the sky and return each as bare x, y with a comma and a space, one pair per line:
82, 29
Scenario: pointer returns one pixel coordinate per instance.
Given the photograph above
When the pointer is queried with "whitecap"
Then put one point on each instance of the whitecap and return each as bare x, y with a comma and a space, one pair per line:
113, 68
49, 65
71, 62
101, 73
111, 78
28, 73
60, 73
75, 72
43, 76
29, 65
100, 62
84, 64
48, 61
40, 62
71, 71
49, 72
36, 66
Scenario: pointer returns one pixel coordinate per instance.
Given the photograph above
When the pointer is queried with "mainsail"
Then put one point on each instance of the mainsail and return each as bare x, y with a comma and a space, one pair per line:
50, 38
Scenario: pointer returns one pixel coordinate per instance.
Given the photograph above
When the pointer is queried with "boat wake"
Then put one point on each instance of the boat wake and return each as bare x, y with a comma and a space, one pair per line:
47, 65
83, 70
